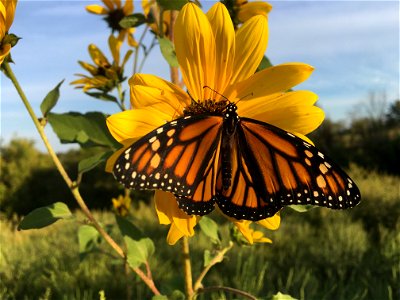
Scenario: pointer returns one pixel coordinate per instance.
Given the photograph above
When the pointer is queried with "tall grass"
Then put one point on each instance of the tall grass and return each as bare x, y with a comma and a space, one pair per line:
321, 254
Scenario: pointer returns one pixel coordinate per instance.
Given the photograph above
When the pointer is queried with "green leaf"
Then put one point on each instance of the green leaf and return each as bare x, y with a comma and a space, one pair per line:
280, 296
265, 63
301, 208
51, 99
177, 295
91, 162
207, 258
139, 248
172, 5
168, 51
133, 20
159, 297
45, 216
210, 229
86, 129
102, 96
88, 238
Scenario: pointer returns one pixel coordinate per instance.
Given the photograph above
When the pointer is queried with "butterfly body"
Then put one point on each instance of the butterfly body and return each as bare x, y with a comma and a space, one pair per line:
250, 169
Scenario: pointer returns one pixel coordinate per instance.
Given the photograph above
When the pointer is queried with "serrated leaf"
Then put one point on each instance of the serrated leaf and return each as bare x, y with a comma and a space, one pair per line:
87, 237
102, 96
168, 51
301, 208
139, 248
265, 63
280, 296
210, 229
172, 5
86, 129
133, 20
91, 162
45, 216
51, 99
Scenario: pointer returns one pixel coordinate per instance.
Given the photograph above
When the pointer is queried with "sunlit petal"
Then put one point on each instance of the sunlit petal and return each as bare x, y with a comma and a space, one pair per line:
251, 9
271, 223
224, 34
251, 43
97, 56
195, 50
128, 7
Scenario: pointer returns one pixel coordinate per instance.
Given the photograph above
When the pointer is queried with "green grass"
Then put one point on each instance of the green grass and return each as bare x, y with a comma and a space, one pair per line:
321, 254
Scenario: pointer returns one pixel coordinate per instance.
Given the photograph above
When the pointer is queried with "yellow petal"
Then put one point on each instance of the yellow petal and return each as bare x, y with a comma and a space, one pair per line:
131, 40
243, 226
117, 3
109, 4
97, 56
301, 119
271, 223
128, 7
174, 235
224, 34
251, 43
4, 51
174, 95
269, 81
165, 205
135, 123
251, 9
10, 7
264, 105
97, 9
88, 67
115, 46
195, 50
302, 136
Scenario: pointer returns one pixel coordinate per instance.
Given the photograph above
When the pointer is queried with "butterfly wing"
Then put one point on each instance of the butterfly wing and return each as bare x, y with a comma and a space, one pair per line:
179, 157
273, 168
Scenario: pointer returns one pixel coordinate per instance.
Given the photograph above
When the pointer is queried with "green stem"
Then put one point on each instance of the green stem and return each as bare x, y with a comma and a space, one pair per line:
121, 97
135, 62
187, 268
71, 184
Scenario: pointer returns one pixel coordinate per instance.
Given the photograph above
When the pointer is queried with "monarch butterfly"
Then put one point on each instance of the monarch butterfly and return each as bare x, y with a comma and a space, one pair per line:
249, 168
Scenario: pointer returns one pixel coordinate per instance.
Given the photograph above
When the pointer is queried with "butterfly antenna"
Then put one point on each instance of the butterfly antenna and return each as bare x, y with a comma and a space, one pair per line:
249, 94
206, 86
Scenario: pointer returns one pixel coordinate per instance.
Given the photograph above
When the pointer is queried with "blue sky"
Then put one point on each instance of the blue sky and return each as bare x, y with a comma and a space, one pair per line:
353, 45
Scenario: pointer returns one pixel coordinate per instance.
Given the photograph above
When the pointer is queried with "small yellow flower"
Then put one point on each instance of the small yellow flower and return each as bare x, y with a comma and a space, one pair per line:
104, 75
256, 236
7, 11
114, 12
242, 10
122, 205
210, 53
152, 11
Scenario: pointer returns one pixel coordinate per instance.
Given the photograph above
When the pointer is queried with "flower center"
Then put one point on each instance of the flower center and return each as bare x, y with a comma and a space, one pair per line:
210, 106
113, 18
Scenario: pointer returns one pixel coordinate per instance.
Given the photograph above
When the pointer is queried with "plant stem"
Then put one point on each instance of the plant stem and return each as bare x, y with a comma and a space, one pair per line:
71, 184
217, 259
135, 62
226, 289
187, 268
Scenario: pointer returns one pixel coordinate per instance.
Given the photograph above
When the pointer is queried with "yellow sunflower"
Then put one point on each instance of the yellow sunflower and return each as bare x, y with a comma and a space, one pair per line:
122, 204
105, 76
7, 11
114, 12
242, 10
210, 53
152, 11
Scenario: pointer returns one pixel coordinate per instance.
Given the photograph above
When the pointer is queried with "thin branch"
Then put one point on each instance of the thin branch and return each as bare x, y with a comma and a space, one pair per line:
137, 49
226, 289
217, 259
72, 185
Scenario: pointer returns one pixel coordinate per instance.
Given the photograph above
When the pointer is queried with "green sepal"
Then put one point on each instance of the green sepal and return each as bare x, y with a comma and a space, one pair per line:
172, 5
210, 229
133, 20
102, 96
11, 39
168, 51
139, 247
264, 64
45, 216
88, 129
51, 99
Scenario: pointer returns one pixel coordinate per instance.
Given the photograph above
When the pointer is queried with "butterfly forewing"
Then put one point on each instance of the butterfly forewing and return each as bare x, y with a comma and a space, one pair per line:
179, 157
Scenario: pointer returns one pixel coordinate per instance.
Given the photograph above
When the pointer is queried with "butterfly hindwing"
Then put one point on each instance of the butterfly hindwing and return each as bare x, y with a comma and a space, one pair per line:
179, 157
281, 169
